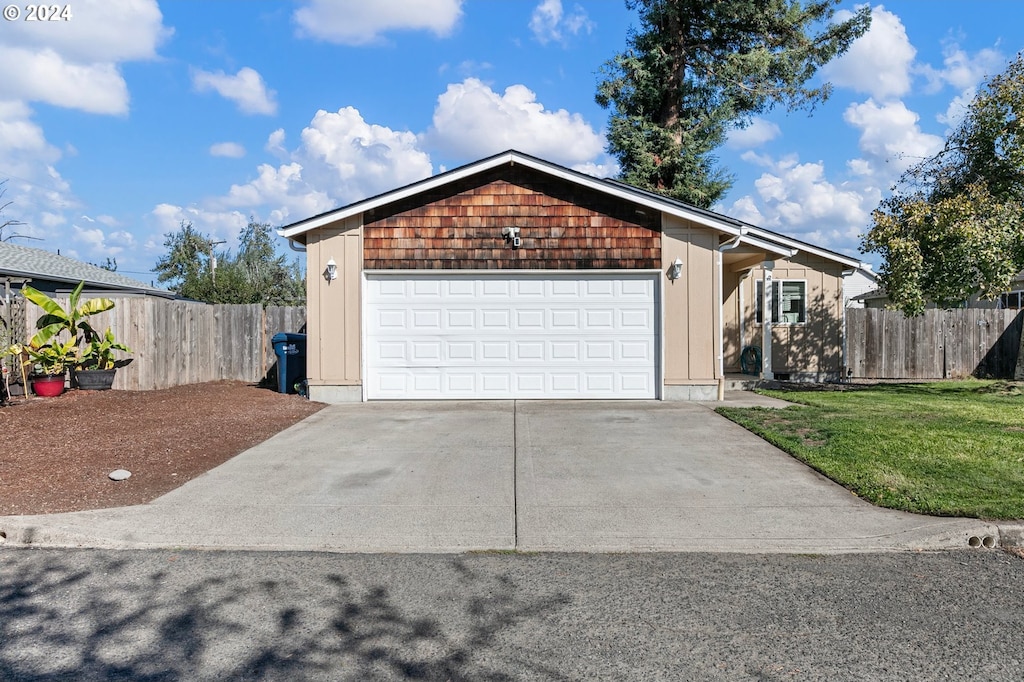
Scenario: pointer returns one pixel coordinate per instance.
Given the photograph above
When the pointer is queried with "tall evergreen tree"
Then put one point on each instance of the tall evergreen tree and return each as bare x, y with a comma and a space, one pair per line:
696, 69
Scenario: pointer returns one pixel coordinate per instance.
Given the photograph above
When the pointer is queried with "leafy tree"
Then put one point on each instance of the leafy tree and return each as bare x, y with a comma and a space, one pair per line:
699, 68
182, 267
195, 270
954, 226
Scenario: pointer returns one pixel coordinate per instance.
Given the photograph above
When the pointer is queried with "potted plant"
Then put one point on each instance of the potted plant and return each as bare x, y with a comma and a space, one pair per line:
95, 368
49, 363
53, 357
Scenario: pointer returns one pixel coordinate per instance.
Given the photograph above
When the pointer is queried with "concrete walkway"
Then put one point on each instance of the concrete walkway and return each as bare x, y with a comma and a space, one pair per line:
460, 476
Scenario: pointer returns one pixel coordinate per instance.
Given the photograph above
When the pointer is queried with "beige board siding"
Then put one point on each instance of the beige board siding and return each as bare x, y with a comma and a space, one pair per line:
814, 348
334, 324
689, 303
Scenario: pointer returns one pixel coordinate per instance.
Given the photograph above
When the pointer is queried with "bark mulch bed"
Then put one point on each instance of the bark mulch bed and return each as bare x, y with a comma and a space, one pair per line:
55, 453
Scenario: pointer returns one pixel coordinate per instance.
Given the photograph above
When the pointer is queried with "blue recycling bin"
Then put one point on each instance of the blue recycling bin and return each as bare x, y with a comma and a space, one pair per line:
290, 350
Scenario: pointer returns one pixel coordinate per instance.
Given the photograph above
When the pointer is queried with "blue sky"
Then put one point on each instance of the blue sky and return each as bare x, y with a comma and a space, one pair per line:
133, 115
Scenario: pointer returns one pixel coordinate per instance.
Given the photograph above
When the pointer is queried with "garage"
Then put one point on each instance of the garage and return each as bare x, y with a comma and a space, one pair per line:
515, 278
511, 335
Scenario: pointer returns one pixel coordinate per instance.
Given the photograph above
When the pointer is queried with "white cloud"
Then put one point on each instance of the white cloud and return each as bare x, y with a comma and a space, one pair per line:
99, 31
341, 159
45, 76
358, 158
99, 244
275, 143
219, 224
957, 109
754, 135
798, 199
609, 168
890, 137
75, 64
550, 24
358, 22
231, 150
472, 121
879, 62
962, 70
246, 89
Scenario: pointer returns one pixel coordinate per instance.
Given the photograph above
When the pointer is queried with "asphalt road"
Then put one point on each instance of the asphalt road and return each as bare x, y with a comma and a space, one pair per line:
164, 615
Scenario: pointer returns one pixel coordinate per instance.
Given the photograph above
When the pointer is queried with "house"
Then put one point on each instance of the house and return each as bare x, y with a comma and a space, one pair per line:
513, 277
858, 283
1013, 298
55, 274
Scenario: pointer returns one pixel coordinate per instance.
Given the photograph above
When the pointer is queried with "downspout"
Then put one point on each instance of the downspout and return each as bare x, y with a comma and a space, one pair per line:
843, 374
292, 245
721, 313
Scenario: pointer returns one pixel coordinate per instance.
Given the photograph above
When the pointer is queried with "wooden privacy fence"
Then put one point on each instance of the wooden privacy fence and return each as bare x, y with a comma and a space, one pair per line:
939, 344
180, 342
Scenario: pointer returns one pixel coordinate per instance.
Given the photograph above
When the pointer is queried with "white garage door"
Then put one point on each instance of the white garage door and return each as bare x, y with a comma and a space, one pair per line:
511, 335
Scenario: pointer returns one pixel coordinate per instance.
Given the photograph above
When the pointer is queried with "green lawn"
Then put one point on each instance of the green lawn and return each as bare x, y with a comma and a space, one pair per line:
949, 448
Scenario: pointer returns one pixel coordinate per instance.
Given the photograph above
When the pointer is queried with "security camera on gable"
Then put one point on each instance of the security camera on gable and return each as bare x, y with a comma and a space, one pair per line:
511, 234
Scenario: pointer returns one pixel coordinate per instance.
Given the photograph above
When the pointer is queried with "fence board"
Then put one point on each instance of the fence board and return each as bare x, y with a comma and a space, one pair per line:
939, 344
182, 342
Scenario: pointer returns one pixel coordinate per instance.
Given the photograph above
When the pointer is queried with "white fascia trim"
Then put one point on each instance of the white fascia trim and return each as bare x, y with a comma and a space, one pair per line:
770, 247
797, 247
397, 195
454, 176
626, 194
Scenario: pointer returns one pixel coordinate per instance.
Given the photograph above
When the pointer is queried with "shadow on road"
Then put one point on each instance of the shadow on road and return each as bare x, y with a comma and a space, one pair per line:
113, 619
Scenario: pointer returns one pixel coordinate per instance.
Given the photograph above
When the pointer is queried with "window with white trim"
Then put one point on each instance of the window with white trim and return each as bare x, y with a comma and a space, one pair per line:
789, 301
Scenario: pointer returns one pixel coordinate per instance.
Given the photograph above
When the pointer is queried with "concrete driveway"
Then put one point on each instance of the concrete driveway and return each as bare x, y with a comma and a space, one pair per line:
459, 476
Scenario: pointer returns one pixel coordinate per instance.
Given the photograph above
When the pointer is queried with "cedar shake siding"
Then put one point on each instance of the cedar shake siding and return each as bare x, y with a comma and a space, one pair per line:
563, 226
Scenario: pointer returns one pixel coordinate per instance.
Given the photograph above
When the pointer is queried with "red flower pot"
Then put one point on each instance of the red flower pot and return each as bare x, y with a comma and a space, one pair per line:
48, 386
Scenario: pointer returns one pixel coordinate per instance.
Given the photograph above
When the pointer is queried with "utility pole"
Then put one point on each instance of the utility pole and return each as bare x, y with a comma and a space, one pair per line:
213, 263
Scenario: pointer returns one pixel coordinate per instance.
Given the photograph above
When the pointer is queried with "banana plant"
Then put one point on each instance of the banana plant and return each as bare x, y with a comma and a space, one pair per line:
56, 319
99, 353
52, 358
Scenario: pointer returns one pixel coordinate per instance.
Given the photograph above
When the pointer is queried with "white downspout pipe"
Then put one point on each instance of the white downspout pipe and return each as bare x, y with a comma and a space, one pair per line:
721, 313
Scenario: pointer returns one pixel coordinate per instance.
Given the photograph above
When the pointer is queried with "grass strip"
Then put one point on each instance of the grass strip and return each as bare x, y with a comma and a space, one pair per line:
945, 448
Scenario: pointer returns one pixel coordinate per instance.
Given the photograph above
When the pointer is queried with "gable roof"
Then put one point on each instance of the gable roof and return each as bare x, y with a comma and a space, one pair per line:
36, 264
772, 242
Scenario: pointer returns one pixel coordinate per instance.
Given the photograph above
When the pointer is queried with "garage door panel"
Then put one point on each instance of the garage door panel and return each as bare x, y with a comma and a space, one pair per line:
461, 319
529, 351
496, 319
600, 351
459, 288
460, 351
510, 335
531, 288
530, 319
496, 288
394, 319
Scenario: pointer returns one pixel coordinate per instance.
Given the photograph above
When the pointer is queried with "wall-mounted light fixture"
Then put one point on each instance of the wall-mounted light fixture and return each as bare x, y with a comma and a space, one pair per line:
511, 235
675, 271
331, 273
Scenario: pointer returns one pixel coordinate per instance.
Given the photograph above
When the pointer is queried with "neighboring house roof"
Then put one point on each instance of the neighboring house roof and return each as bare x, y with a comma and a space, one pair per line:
37, 265
771, 242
